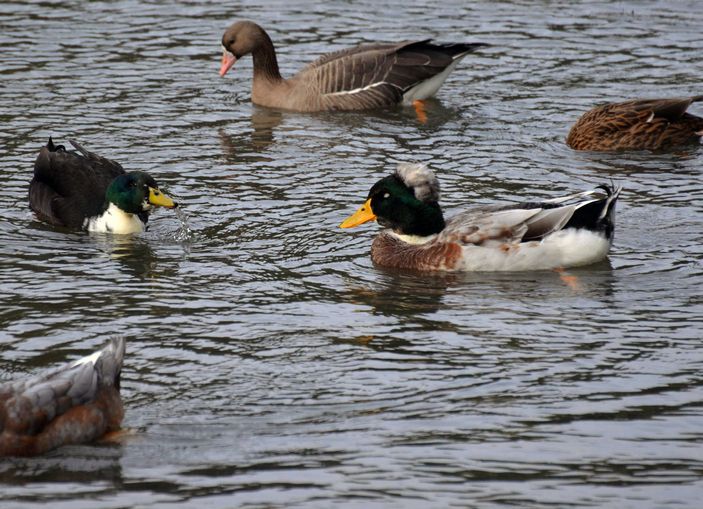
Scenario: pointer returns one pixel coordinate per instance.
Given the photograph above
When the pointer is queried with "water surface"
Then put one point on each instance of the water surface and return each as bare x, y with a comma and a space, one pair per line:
270, 364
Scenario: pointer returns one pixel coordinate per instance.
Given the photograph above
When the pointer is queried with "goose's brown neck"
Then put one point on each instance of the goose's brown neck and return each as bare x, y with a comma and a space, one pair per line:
265, 62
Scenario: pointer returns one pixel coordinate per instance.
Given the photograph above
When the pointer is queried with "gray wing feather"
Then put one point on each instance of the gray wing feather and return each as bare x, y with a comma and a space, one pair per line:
548, 221
533, 221
33, 402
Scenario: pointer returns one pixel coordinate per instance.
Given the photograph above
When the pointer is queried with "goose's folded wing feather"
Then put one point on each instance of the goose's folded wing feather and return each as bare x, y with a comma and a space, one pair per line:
375, 74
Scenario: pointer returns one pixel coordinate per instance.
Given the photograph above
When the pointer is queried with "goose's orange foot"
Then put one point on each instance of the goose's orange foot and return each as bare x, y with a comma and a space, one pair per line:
363, 340
569, 280
419, 106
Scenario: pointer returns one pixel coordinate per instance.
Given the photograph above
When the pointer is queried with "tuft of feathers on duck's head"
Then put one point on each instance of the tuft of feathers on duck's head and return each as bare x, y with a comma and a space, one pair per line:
420, 179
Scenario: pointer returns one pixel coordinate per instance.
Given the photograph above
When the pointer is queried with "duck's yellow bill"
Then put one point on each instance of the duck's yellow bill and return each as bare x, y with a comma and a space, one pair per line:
159, 199
361, 216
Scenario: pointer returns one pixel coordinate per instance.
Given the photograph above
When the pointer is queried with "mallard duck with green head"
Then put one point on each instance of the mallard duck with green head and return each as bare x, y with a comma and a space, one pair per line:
82, 190
562, 232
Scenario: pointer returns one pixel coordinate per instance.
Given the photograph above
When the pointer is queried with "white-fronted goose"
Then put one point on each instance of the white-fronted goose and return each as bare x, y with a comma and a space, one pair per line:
364, 77
640, 124
80, 189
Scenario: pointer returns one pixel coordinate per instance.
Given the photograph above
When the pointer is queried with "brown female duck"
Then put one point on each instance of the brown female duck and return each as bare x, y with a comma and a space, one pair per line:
562, 232
72, 404
363, 77
642, 124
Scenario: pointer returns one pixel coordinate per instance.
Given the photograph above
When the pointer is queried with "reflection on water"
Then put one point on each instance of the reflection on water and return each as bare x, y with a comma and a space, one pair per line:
79, 465
257, 138
269, 363
135, 255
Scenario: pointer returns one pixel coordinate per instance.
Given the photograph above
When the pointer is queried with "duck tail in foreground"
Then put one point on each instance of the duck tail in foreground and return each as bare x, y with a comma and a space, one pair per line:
109, 364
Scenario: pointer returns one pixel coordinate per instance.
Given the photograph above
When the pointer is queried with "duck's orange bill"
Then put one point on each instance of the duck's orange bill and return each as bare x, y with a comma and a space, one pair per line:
228, 60
361, 216
159, 199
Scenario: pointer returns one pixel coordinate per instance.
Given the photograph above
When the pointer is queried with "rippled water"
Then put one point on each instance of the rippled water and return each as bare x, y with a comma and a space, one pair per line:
270, 364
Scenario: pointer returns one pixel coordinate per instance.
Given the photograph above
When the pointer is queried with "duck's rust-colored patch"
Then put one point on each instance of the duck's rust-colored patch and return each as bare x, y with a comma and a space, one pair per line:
390, 251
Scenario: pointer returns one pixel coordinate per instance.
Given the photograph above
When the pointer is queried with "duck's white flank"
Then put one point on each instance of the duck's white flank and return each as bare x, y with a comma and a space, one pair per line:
115, 220
565, 248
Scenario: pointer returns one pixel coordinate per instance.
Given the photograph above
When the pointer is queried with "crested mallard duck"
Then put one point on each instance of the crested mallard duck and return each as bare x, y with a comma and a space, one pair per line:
561, 232
80, 189
642, 124
363, 77
75, 403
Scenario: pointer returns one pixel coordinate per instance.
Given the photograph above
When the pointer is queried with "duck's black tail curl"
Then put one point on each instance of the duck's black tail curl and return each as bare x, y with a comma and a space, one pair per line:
598, 215
55, 148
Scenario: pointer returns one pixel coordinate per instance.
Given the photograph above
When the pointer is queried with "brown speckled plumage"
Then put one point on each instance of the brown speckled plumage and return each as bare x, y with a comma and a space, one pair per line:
75, 403
644, 124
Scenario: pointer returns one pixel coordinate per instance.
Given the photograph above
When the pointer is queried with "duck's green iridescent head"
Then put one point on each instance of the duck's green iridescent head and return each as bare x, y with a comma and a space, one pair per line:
135, 192
405, 201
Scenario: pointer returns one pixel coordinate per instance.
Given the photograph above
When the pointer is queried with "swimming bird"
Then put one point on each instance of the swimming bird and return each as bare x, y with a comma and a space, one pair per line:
363, 77
80, 189
641, 124
73, 404
561, 232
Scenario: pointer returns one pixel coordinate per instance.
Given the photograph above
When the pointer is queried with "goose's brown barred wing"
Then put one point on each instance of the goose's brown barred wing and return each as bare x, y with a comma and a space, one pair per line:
69, 186
75, 403
375, 75
644, 124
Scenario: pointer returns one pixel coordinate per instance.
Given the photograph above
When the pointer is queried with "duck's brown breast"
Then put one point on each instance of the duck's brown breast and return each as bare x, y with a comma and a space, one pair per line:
389, 251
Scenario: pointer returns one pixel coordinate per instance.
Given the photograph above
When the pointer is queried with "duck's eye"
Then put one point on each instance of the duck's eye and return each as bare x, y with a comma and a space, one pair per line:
132, 183
386, 195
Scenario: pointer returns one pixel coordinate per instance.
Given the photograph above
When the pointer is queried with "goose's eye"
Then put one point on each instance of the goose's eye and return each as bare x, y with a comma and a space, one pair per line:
230, 42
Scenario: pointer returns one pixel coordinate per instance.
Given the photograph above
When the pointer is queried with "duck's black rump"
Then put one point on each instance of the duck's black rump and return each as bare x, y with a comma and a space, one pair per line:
69, 186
